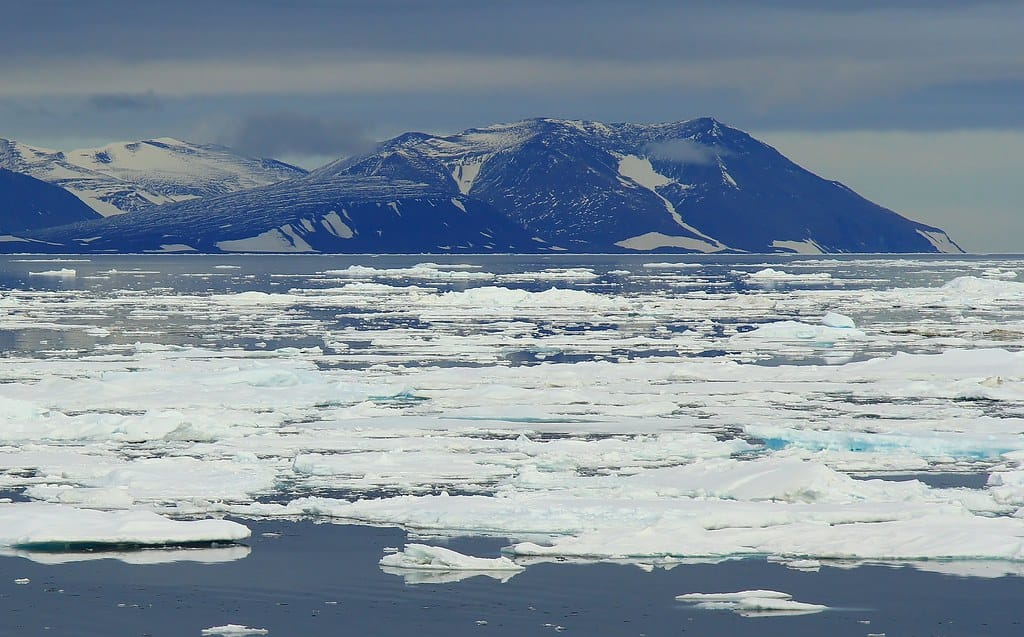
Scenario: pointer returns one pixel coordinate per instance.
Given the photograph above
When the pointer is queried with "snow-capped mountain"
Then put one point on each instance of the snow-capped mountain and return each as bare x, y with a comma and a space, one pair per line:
130, 176
27, 203
696, 185
536, 185
341, 214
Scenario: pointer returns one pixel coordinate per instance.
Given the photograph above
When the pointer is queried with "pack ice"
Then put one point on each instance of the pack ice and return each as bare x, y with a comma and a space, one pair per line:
647, 414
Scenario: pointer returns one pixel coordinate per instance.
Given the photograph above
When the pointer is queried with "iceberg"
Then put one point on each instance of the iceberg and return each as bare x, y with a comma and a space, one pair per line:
438, 558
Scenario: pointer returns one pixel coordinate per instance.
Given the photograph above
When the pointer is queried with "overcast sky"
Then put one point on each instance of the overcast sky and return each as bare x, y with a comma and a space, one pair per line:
918, 105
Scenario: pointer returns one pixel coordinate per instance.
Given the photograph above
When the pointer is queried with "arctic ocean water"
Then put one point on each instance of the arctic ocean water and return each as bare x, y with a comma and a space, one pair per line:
846, 430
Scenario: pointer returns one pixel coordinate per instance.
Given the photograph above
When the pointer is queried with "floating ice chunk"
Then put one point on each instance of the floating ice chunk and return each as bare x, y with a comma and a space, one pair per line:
255, 298
457, 272
927, 444
834, 319
552, 274
999, 273
13, 410
812, 566
797, 331
437, 558
141, 557
771, 274
34, 524
667, 265
768, 479
234, 630
752, 603
964, 291
499, 297
732, 597
422, 576
64, 273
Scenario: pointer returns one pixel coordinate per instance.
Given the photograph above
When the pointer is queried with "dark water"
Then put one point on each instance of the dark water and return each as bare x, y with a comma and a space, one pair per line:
316, 580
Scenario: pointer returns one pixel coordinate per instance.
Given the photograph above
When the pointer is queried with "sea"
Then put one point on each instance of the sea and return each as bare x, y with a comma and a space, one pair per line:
845, 430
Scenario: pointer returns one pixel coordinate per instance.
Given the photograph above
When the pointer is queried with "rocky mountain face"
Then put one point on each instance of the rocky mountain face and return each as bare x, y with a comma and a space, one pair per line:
27, 203
696, 185
342, 214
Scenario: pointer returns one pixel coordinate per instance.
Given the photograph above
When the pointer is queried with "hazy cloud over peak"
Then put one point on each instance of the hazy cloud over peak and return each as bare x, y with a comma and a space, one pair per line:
684, 151
104, 102
282, 133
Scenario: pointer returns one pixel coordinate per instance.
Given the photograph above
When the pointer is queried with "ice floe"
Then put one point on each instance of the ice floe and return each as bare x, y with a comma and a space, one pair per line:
671, 415
234, 630
38, 525
438, 558
771, 274
752, 603
64, 273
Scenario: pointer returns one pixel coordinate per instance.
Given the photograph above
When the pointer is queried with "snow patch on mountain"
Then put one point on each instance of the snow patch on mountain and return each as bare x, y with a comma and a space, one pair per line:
334, 225
640, 171
465, 174
276, 240
941, 241
655, 240
807, 246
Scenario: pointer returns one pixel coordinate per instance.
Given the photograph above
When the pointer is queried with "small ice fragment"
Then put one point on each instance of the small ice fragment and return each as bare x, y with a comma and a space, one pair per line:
799, 565
234, 630
421, 556
64, 273
835, 319
731, 597
752, 603
481, 622
22, 580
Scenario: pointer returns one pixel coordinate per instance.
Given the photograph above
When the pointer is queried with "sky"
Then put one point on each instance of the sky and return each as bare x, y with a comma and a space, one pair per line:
917, 105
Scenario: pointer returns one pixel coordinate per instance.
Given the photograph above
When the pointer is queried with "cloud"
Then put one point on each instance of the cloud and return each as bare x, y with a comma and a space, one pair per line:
685, 151
104, 102
281, 133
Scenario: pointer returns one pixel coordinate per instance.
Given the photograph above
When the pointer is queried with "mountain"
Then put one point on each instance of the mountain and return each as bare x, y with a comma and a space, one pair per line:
697, 185
341, 214
532, 186
130, 176
27, 203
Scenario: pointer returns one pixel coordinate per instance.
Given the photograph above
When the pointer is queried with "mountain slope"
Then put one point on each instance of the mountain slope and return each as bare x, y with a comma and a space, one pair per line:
696, 185
130, 176
28, 203
343, 214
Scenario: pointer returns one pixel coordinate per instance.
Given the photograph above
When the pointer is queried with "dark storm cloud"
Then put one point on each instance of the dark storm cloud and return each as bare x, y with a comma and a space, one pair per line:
285, 133
796, 63
146, 101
